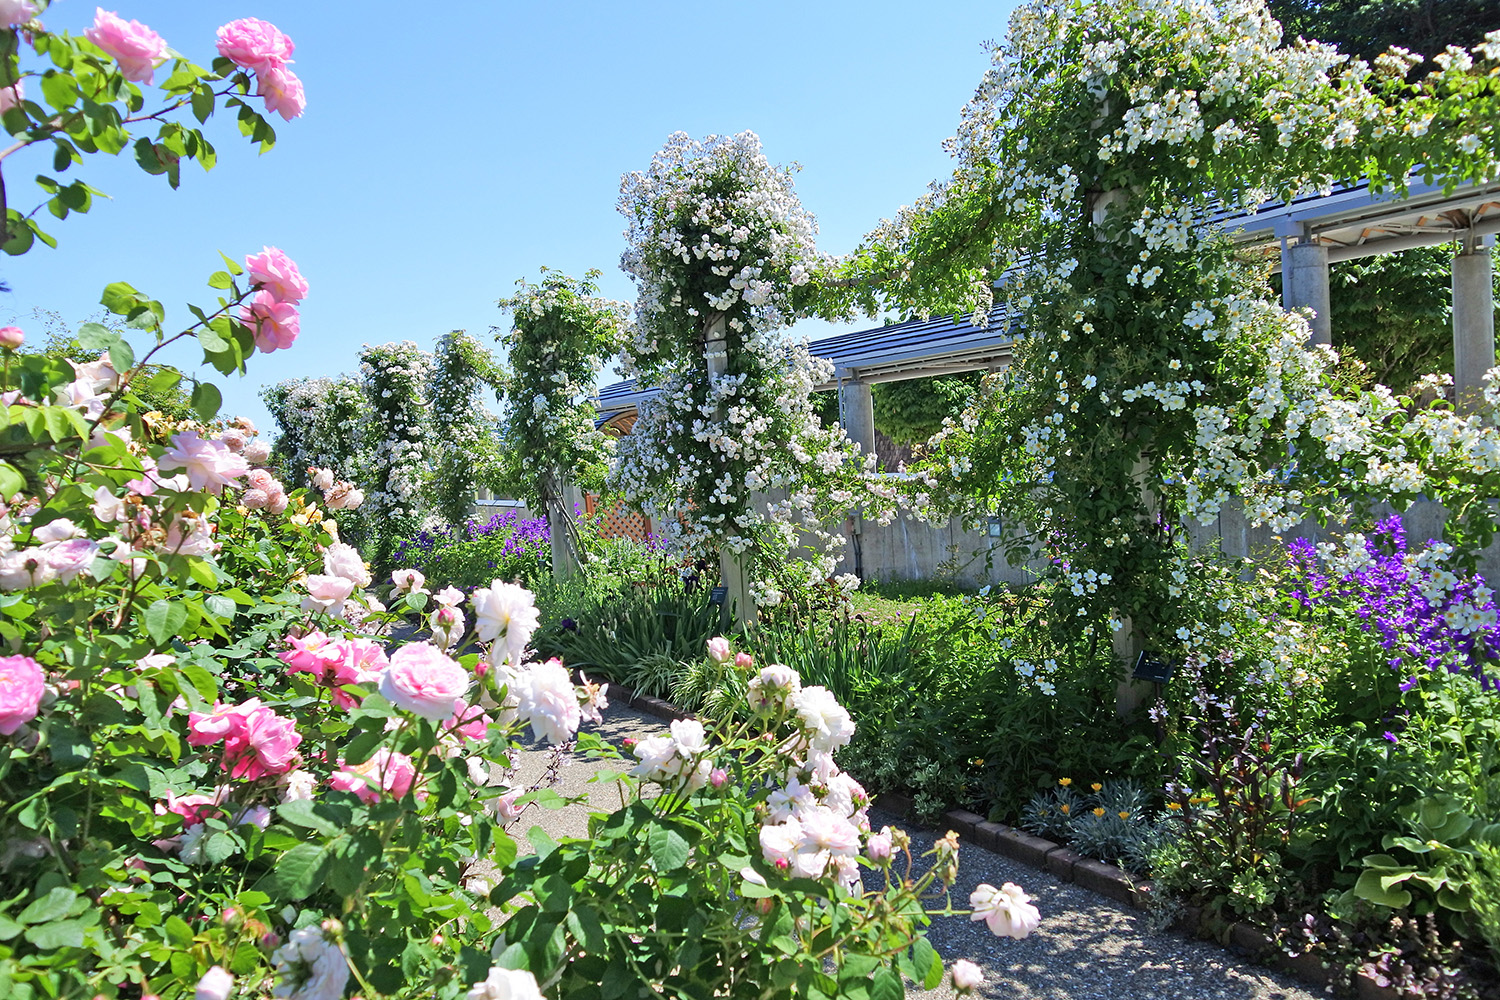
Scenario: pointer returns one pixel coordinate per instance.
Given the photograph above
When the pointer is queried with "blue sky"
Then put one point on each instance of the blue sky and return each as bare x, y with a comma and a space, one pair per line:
449, 149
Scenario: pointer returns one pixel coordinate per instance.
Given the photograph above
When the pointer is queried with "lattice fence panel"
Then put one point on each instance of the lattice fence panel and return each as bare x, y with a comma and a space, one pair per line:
619, 522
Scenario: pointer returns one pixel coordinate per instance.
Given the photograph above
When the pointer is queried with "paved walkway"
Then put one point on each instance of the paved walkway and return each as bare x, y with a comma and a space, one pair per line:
1087, 946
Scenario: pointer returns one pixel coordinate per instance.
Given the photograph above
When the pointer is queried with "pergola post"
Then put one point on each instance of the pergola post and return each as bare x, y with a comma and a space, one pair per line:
557, 498
732, 566
1473, 321
857, 414
1304, 284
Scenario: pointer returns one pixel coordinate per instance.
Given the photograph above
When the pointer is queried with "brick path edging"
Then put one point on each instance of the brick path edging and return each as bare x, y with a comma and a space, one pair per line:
1096, 876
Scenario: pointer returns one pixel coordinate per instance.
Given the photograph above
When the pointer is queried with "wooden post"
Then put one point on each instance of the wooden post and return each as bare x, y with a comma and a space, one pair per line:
732, 567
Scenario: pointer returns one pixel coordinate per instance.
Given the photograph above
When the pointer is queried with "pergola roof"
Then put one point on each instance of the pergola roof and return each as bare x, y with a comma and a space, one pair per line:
1350, 220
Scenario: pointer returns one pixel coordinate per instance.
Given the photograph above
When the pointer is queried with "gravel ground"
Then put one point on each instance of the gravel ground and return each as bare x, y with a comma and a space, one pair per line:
1087, 946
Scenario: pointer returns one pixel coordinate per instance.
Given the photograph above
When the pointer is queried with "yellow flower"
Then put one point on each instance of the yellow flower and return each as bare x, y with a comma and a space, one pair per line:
1099, 811
1065, 782
1174, 805
1066, 809
1096, 786
1124, 814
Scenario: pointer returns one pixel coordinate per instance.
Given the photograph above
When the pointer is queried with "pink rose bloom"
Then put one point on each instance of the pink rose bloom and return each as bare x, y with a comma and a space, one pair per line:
505, 806
878, 846
275, 323
469, 721
326, 593
21, 685
72, 557
210, 464
16, 11
549, 701
193, 809
408, 580
423, 679
11, 97
274, 271
744, 661
313, 653
195, 538
265, 746
967, 976
11, 336
361, 662
386, 771
205, 728
216, 984
133, 45
255, 45
718, 650
283, 92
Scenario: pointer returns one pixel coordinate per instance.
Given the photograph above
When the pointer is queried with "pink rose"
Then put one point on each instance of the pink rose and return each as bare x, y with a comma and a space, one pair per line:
11, 97
133, 45
210, 464
16, 11
274, 271
265, 746
423, 679
193, 809
72, 557
326, 593
386, 771
283, 92
718, 650
469, 721
276, 324
21, 684
205, 728
10, 336
744, 661
255, 45
312, 654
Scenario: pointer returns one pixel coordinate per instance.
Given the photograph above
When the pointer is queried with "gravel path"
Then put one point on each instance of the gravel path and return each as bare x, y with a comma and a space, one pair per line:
1087, 946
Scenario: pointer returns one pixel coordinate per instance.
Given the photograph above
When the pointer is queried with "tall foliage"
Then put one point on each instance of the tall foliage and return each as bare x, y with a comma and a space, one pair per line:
395, 382
464, 445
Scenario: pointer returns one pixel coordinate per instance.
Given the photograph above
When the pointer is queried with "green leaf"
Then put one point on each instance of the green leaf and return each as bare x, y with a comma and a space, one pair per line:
122, 356
163, 620
541, 842
220, 279
928, 963
1369, 887
19, 236
221, 846
203, 102
669, 849
206, 400
220, 606
97, 337
298, 873
53, 906
120, 298
887, 985
165, 380
59, 89
61, 934
329, 820
11, 481
587, 928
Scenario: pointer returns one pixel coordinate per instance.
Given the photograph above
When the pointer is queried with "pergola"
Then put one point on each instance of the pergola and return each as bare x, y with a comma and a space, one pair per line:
1312, 233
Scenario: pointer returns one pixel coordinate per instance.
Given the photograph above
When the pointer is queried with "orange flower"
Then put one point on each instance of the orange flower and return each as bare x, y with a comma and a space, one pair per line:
1065, 782
1099, 811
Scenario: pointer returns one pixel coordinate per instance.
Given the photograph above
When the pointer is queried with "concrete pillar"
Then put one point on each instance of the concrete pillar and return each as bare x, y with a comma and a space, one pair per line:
1473, 322
857, 414
559, 508
1304, 284
732, 567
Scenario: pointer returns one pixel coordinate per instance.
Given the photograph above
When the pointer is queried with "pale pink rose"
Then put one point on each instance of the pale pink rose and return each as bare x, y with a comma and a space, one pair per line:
23, 568
447, 625
719, 650
210, 465
234, 439
344, 496
386, 771
773, 688
506, 615
274, 272
342, 559
826, 722
283, 92
16, 11
266, 745
57, 530
10, 336
549, 701
133, 45
595, 700
825, 830
107, 506
423, 679
778, 842
276, 324
216, 984
320, 478
966, 976
407, 581
255, 45
326, 593
21, 686
190, 534
72, 557
744, 661
878, 846
257, 452
449, 597
505, 806
1007, 910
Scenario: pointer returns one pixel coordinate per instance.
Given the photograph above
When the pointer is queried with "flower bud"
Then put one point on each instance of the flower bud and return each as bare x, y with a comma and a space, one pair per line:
11, 337
744, 661
718, 777
966, 976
